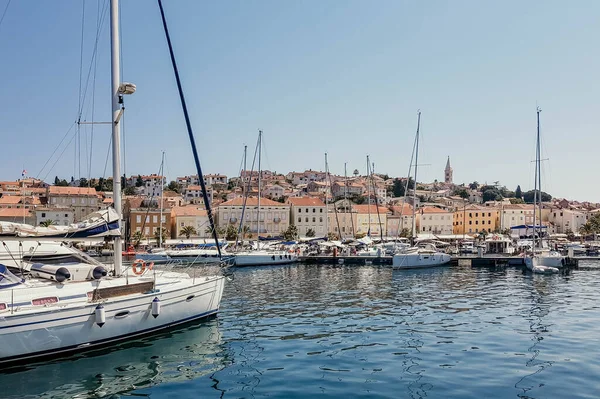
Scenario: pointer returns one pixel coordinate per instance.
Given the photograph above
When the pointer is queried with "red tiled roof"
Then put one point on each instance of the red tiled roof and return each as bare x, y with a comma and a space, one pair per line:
252, 201
14, 212
58, 190
306, 201
369, 208
188, 211
432, 209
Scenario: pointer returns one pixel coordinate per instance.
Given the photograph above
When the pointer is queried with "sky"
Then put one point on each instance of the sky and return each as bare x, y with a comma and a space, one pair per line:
342, 77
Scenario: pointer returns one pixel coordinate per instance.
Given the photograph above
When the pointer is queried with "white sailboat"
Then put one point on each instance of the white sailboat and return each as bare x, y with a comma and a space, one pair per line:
418, 257
540, 260
67, 308
261, 256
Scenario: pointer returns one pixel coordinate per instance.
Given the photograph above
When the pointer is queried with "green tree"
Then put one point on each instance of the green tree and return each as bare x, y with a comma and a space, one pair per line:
231, 233
245, 231
188, 231
474, 185
291, 233
165, 234
332, 236
461, 192
139, 182
528, 196
570, 235
83, 182
405, 233
399, 186
518, 192
310, 233
592, 226
137, 238
47, 223
173, 186
517, 201
129, 190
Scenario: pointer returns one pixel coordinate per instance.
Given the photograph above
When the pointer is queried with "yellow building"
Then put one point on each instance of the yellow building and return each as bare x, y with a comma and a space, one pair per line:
475, 219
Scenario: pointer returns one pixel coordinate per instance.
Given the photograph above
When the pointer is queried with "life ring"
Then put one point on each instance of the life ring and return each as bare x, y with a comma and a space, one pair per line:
142, 267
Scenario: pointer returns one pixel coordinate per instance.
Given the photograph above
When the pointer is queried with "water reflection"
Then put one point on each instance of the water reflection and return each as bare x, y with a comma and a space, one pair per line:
173, 356
540, 287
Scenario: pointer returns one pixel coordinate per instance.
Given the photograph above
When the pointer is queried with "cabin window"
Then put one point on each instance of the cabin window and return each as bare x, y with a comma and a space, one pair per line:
44, 301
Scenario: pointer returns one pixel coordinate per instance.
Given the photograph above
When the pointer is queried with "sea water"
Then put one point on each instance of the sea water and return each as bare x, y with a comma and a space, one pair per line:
305, 331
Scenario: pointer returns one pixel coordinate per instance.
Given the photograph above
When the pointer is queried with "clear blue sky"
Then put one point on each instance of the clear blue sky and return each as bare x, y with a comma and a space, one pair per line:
346, 77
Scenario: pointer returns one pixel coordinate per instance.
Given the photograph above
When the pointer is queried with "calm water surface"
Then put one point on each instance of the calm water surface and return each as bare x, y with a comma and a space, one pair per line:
333, 331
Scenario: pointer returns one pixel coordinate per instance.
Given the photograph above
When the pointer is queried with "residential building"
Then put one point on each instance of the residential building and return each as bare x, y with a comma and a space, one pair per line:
516, 215
60, 216
190, 215
475, 219
274, 216
371, 220
308, 213
17, 215
14, 201
193, 194
404, 213
83, 200
566, 220
431, 219
273, 191
145, 216
348, 188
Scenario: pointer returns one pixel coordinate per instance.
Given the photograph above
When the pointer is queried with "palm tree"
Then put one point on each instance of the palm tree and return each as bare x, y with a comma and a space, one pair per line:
137, 238
188, 231
245, 231
47, 223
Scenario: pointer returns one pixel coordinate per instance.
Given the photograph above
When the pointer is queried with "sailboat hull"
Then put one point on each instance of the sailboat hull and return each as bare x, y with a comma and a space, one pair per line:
263, 258
60, 328
420, 260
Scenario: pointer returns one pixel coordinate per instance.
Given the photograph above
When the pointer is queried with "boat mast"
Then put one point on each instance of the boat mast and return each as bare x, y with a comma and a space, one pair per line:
326, 207
414, 202
116, 126
259, 173
244, 170
162, 189
368, 198
536, 178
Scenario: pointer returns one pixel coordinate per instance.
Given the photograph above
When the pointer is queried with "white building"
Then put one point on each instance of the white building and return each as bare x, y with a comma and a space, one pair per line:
434, 220
273, 191
516, 215
308, 213
274, 216
193, 194
60, 216
565, 220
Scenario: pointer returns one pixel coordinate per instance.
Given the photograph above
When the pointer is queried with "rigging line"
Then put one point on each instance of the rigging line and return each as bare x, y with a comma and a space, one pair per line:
266, 155
95, 61
107, 156
412, 157
4, 12
55, 149
60, 156
247, 193
189, 129
94, 54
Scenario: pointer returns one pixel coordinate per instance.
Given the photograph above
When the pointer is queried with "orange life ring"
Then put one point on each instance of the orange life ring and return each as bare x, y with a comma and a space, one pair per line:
142, 267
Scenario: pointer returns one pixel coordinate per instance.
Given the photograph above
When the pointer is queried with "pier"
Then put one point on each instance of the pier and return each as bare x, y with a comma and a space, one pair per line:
474, 261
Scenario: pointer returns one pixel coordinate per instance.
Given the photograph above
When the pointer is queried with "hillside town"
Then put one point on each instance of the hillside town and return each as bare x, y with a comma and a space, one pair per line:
314, 202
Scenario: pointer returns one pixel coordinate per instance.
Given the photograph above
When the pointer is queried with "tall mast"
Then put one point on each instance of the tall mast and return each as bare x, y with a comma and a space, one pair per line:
259, 176
162, 189
326, 208
414, 220
537, 177
368, 198
244, 170
116, 126
345, 195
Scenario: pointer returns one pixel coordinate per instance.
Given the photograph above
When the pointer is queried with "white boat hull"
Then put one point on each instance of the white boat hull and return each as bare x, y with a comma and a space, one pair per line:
542, 264
70, 325
261, 258
419, 260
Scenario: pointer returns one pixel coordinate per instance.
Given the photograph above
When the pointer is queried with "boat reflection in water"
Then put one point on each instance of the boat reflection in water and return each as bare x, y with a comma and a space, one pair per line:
177, 355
